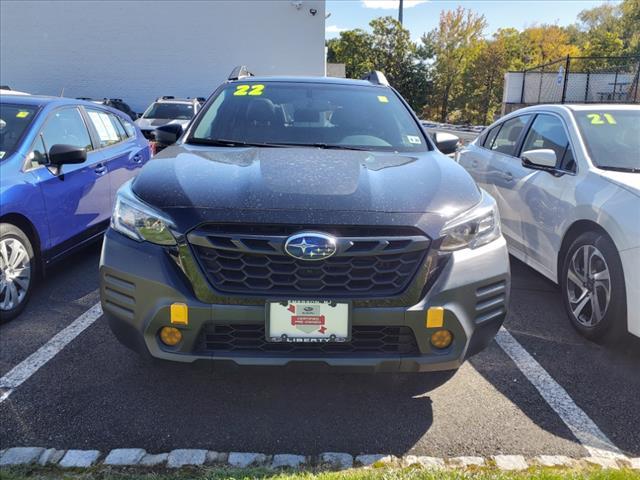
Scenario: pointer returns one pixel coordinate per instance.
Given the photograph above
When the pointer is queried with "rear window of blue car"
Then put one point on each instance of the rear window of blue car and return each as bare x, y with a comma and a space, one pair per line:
14, 122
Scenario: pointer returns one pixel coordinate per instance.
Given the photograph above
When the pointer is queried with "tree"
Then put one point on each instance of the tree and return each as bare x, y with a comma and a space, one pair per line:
387, 48
454, 44
402, 62
354, 48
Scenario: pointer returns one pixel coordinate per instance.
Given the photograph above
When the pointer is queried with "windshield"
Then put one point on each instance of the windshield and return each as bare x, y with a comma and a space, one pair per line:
14, 121
310, 114
612, 137
170, 111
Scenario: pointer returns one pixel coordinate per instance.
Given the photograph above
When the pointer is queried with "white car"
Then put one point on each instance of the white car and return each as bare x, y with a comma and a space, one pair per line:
567, 182
168, 110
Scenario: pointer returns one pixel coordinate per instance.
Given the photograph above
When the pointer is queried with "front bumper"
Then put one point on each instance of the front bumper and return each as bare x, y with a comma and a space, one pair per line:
140, 281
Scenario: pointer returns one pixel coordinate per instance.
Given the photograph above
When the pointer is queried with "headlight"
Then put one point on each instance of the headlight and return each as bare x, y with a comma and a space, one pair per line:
473, 228
138, 221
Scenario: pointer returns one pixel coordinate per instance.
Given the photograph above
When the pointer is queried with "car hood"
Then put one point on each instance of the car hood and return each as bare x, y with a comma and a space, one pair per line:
146, 123
627, 180
308, 179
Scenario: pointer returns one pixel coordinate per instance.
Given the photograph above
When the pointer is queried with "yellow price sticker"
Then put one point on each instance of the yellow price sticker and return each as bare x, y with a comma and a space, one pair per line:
383, 99
253, 90
22, 114
596, 119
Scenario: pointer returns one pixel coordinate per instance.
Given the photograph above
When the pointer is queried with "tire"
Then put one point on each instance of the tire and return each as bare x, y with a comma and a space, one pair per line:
16, 279
597, 307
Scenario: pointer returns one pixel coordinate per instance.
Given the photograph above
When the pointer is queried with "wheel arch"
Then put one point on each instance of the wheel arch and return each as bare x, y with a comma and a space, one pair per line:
576, 229
29, 229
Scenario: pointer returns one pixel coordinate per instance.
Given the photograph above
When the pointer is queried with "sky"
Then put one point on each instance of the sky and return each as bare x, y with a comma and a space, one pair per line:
420, 16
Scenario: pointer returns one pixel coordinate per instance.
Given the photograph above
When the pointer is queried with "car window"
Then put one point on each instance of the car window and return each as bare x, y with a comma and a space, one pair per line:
129, 128
612, 137
170, 111
507, 138
14, 122
308, 114
491, 135
547, 132
64, 127
117, 122
106, 127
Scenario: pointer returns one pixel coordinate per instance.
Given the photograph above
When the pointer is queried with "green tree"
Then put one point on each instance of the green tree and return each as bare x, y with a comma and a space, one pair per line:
387, 48
454, 43
354, 48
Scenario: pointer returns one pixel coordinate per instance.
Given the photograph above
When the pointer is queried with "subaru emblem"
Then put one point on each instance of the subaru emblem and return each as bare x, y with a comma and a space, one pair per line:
310, 246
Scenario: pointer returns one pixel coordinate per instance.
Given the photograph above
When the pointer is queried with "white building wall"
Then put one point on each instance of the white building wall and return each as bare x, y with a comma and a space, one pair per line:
138, 50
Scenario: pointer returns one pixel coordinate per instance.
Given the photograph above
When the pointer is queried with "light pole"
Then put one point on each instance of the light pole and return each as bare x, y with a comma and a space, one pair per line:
400, 12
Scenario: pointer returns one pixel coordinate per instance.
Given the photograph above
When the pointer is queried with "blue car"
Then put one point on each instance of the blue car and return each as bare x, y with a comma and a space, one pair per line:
61, 162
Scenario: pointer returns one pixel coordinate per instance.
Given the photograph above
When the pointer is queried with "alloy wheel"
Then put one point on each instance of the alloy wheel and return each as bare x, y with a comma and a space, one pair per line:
588, 286
15, 273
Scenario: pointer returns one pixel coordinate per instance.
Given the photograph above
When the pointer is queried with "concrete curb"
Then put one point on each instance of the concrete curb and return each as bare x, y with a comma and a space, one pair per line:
137, 457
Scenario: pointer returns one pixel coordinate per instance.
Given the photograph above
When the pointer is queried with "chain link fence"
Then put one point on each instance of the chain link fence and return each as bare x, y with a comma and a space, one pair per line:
575, 80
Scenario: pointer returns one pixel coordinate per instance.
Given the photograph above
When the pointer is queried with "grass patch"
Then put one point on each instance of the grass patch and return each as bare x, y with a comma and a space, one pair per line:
387, 473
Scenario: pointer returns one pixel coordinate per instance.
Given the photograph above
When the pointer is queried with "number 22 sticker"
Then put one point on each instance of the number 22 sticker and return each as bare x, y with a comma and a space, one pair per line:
242, 90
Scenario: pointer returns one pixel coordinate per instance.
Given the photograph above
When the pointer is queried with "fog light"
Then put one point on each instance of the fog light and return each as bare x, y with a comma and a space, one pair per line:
441, 339
170, 336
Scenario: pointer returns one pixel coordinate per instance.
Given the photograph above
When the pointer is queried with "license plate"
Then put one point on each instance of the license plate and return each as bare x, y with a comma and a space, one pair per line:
300, 321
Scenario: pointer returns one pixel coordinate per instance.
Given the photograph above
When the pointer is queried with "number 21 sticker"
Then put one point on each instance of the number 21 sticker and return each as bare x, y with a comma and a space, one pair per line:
596, 119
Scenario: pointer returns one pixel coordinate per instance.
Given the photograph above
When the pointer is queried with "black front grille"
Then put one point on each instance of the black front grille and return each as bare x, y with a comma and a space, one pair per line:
249, 339
257, 265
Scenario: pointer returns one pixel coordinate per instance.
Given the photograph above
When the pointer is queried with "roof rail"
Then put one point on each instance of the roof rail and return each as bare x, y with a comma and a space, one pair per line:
376, 77
239, 72
166, 97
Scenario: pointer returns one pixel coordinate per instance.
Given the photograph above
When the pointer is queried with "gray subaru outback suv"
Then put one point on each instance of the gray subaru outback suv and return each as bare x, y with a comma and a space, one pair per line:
305, 220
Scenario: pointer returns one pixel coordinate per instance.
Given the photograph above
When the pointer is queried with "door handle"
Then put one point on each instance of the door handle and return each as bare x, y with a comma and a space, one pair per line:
137, 158
474, 163
100, 169
508, 176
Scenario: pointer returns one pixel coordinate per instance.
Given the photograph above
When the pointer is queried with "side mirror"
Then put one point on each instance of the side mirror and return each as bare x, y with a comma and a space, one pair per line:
447, 143
167, 134
60, 154
541, 158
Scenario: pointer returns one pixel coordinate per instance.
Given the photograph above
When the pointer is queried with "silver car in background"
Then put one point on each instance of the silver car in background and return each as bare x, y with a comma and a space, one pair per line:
168, 110
567, 182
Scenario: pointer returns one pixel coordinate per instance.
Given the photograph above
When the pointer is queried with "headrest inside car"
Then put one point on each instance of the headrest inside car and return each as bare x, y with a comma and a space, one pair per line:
262, 111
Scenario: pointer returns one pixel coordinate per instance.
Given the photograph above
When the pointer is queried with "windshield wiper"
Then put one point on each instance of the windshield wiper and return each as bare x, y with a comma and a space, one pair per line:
619, 169
328, 146
223, 142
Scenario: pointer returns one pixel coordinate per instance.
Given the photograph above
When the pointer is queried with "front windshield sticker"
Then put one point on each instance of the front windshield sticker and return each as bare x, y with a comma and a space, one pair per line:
1, 155
384, 99
413, 139
596, 119
22, 114
242, 90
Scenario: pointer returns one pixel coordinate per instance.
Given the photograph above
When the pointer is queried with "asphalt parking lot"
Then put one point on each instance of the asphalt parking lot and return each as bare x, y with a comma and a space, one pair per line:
97, 394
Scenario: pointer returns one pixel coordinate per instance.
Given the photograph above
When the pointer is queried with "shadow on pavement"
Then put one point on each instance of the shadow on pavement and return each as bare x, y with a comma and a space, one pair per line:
270, 411
601, 379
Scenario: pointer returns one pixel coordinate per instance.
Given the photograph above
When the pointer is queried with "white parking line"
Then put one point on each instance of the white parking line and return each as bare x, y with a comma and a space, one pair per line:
30, 365
584, 429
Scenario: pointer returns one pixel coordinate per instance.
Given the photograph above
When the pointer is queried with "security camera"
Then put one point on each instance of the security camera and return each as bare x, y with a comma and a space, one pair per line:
313, 11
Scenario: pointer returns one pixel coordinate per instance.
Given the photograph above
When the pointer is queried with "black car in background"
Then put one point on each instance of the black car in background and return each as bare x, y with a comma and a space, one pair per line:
116, 103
